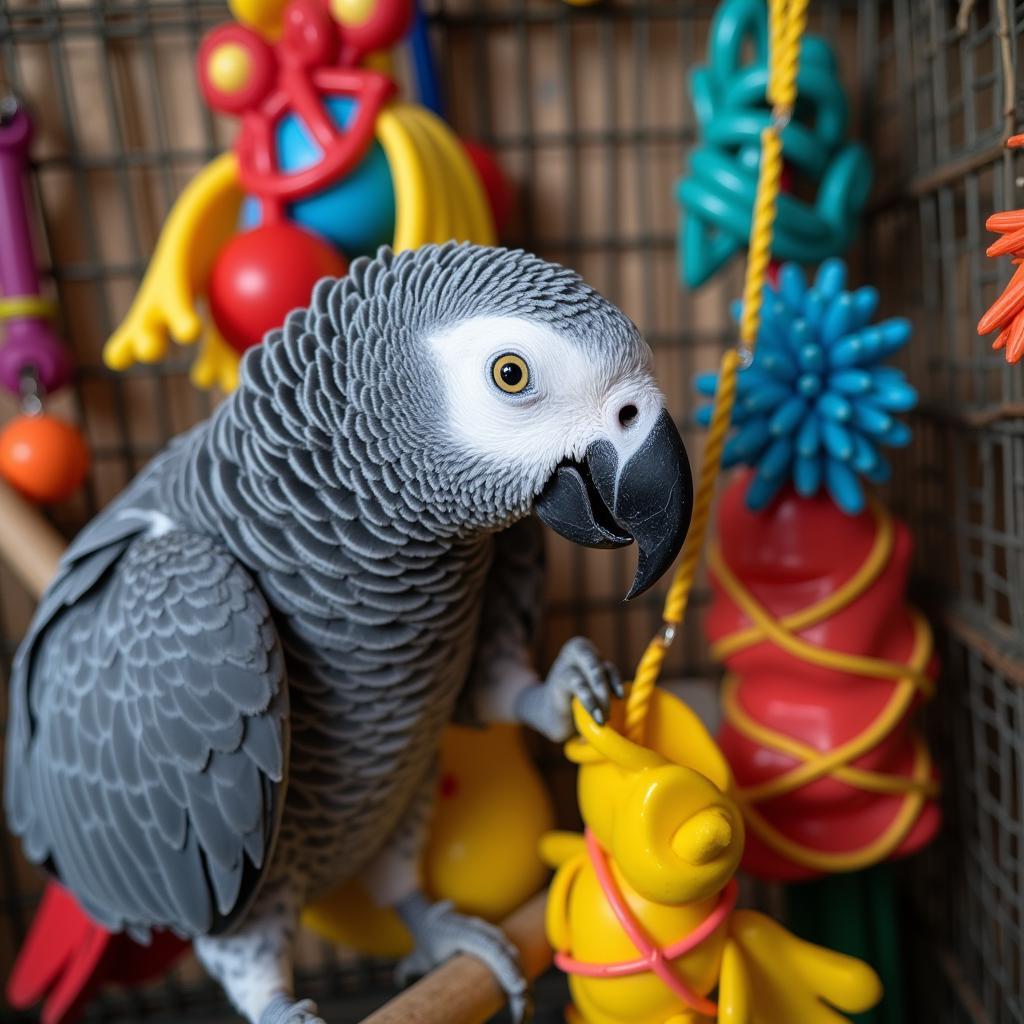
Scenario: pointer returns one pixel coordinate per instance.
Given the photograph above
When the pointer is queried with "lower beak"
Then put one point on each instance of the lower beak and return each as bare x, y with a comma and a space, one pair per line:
647, 498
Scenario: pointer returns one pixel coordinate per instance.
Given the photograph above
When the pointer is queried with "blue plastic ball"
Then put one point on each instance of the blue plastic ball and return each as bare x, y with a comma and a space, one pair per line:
358, 213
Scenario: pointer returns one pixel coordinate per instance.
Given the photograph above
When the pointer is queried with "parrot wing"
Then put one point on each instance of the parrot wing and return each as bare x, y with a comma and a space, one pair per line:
147, 734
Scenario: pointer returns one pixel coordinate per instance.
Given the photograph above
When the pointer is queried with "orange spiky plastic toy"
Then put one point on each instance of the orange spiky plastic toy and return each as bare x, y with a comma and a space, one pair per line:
1007, 313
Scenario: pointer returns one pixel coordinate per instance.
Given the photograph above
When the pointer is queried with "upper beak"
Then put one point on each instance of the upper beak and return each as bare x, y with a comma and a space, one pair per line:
607, 502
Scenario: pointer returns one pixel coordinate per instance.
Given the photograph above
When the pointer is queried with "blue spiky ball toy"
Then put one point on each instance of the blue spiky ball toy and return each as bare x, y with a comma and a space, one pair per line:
817, 402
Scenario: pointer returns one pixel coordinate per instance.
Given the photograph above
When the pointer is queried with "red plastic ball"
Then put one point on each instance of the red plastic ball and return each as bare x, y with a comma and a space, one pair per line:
44, 458
261, 275
492, 177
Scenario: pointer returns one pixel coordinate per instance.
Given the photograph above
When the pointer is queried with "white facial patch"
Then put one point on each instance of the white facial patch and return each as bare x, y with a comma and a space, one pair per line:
571, 399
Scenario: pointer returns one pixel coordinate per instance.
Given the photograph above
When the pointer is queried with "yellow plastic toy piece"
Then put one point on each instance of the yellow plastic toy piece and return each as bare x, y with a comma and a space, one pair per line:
438, 197
347, 917
482, 851
229, 67
665, 816
734, 987
265, 16
200, 222
352, 12
216, 366
791, 980
642, 802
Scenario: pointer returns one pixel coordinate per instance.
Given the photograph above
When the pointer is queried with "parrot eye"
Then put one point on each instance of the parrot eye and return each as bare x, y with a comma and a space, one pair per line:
510, 373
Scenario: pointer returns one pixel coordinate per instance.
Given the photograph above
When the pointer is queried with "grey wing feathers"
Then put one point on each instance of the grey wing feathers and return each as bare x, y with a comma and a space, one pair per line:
146, 751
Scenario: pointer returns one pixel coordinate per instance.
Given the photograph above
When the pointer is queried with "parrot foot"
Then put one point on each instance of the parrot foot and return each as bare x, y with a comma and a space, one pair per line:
578, 673
283, 1010
440, 932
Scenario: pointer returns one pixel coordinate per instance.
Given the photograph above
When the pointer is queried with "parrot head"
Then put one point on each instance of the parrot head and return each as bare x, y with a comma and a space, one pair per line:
580, 422
551, 388
482, 384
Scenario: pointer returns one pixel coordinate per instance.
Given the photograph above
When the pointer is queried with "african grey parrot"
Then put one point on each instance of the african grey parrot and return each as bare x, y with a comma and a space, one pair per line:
231, 696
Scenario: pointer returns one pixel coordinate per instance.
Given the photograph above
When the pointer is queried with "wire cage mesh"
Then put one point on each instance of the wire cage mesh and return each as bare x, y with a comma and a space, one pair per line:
587, 110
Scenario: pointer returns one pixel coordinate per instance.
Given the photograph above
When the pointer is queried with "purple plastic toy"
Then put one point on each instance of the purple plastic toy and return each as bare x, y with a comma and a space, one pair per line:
31, 347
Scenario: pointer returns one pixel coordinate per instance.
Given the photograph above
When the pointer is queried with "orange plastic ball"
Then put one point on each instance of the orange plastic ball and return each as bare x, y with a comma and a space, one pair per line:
44, 458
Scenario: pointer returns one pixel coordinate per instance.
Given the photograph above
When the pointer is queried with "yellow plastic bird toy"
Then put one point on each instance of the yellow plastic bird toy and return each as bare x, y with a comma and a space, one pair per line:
642, 913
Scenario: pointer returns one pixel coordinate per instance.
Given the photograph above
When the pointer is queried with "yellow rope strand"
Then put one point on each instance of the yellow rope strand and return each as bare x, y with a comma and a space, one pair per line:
761, 236
787, 19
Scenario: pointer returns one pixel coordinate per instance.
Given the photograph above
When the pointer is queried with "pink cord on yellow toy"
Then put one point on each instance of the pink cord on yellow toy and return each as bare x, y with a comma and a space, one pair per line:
652, 957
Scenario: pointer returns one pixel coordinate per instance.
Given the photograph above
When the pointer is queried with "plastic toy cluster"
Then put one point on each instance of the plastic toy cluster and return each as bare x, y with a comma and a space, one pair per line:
43, 457
717, 195
818, 402
826, 665
328, 165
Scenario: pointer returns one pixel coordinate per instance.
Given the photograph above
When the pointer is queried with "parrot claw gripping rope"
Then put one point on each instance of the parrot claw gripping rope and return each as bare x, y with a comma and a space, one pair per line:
231, 697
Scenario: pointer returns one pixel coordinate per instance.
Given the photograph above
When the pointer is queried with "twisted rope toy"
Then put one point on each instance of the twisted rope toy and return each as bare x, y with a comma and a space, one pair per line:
718, 193
787, 20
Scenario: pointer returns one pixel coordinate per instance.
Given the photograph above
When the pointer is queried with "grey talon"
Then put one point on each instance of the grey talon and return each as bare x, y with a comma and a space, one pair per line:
284, 1009
440, 932
577, 673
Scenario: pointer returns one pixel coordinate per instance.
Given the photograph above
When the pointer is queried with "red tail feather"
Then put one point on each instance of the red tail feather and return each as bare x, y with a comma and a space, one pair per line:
66, 957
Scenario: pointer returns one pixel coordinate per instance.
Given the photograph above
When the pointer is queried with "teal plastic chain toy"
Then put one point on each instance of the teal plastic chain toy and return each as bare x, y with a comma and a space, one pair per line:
717, 195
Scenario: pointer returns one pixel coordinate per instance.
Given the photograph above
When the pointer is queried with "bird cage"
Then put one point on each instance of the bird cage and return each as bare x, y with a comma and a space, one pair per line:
588, 111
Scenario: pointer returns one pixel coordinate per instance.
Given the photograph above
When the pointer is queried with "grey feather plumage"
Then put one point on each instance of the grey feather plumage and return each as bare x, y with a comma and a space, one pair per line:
244, 664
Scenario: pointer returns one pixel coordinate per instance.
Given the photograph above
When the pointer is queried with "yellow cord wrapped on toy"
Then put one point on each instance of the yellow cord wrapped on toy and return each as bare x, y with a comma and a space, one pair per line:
786, 21
910, 677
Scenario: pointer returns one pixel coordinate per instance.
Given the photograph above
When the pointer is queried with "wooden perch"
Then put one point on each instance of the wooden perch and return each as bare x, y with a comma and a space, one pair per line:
28, 543
463, 990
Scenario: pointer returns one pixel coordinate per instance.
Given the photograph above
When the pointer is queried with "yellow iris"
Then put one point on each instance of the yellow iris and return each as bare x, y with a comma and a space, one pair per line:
510, 373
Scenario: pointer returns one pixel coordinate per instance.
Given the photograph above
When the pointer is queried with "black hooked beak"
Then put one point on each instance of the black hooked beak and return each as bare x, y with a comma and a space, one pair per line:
649, 498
